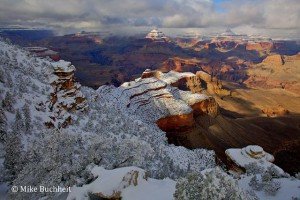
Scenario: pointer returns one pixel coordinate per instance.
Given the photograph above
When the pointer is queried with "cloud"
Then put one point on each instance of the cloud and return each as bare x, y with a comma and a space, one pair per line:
103, 14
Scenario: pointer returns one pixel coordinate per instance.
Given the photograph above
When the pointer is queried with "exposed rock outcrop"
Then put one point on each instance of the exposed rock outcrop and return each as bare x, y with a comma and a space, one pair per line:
275, 59
44, 52
252, 154
276, 71
275, 111
157, 36
181, 65
260, 46
211, 84
172, 100
66, 95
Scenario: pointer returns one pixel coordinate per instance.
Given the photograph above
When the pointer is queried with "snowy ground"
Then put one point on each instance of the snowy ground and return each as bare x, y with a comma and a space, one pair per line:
131, 182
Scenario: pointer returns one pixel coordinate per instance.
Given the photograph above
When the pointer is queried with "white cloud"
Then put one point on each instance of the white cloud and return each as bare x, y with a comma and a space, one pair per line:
98, 14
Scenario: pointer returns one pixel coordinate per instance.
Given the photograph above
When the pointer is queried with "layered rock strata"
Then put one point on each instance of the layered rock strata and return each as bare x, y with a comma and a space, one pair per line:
168, 99
276, 71
65, 96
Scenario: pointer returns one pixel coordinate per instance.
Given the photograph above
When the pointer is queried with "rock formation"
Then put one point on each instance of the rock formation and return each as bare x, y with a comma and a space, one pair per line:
276, 71
274, 59
156, 35
181, 65
172, 100
44, 52
211, 84
252, 154
66, 95
260, 46
275, 111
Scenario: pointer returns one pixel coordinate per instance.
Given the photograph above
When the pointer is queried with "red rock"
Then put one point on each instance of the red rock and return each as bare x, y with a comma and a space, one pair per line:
180, 65
275, 59
206, 107
260, 46
275, 111
176, 123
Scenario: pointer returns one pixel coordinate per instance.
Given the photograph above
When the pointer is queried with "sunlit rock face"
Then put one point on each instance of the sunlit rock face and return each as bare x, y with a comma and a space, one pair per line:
211, 84
275, 111
181, 65
176, 123
172, 100
275, 71
275, 59
260, 46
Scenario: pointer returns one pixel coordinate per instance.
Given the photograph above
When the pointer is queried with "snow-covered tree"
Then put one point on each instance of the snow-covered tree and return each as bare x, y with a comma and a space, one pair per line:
253, 168
7, 102
13, 155
274, 172
255, 184
272, 187
9, 81
22, 85
2, 76
89, 125
213, 184
27, 117
3, 124
266, 177
189, 187
18, 125
55, 160
297, 175
267, 182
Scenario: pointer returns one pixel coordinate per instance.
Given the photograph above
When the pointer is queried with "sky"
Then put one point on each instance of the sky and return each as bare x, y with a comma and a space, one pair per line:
277, 18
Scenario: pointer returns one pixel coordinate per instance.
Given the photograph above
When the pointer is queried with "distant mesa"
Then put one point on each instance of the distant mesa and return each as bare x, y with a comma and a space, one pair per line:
275, 71
156, 35
97, 37
274, 59
44, 52
228, 32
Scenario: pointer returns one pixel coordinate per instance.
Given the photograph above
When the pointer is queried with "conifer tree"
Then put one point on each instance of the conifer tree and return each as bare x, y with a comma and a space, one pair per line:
13, 155
7, 102
1, 76
27, 117
18, 126
3, 124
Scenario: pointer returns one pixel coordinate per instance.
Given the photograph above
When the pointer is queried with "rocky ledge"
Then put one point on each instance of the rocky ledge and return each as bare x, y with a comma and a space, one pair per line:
168, 99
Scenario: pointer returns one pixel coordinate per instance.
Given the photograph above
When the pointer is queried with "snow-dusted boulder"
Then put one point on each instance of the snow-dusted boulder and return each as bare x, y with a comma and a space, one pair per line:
251, 154
124, 183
